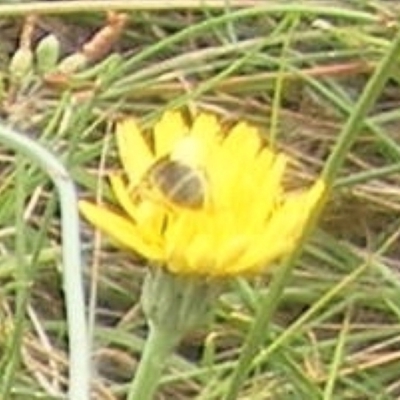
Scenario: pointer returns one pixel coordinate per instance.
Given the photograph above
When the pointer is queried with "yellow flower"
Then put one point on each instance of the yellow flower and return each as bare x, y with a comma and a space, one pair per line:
247, 220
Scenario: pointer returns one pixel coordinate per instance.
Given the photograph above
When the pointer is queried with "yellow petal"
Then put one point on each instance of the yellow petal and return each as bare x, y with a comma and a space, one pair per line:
168, 131
197, 257
151, 218
285, 227
243, 142
262, 252
221, 172
184, 239
260, 257
148, 216
123, 195
270, 191
230, 169
318, 191
205, 128
119, 228
179, 231
134, 152
230, 253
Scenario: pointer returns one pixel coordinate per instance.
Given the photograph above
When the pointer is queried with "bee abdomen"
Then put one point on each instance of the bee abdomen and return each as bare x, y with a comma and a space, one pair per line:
179, 183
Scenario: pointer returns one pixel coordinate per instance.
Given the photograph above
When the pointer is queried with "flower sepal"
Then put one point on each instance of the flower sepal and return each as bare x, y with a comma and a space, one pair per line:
178, 303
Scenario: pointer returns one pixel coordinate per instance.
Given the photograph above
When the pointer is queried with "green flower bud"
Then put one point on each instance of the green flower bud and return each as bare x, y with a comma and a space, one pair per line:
47, 53
72, 63
21, 64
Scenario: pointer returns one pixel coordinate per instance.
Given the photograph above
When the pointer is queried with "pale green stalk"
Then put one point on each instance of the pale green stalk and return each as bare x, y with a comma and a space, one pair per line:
347, 136
72, 264
159, 345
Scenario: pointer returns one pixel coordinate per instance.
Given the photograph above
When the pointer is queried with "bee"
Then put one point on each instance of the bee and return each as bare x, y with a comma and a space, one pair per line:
177, 180
180, 184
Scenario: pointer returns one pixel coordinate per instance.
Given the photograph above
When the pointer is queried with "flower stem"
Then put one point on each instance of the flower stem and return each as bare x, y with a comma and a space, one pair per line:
173, 305
72, 271
159, 345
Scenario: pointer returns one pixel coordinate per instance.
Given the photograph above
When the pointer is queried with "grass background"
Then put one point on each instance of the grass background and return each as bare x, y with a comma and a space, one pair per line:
295, 70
